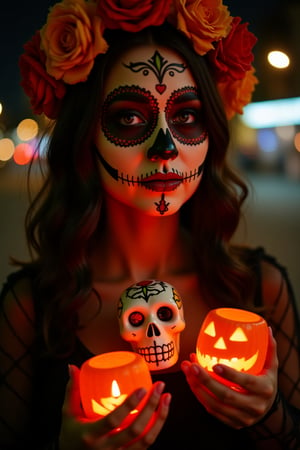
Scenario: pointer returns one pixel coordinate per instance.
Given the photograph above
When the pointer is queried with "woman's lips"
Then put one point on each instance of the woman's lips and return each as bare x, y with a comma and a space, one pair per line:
161, 182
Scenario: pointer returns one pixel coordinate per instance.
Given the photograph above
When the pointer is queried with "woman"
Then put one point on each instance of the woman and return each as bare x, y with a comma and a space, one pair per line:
138, 187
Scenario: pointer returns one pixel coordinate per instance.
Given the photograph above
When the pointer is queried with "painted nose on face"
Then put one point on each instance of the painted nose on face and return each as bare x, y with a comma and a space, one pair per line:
152, 330
163, 147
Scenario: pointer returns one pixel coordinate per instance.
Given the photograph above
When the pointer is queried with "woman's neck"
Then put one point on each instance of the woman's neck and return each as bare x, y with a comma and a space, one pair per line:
137, 246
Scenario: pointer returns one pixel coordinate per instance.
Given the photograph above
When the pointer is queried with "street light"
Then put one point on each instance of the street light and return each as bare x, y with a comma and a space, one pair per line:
278, 59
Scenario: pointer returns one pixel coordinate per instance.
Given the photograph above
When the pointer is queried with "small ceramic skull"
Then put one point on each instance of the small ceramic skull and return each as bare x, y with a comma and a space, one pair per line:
151, 319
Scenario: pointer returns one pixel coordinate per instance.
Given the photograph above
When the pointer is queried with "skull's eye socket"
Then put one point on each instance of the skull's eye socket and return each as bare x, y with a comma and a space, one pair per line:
136, 319
164, 313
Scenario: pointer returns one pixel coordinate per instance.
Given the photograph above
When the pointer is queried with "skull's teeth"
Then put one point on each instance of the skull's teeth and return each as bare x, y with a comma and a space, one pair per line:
157, 353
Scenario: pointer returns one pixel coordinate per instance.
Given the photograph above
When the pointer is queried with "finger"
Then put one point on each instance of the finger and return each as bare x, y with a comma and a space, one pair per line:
97, 431
222, 398
194, 373
114, 420
232, 416
235, 408
193, 357
138, 426
271, 362
154, 426
237, 380
160, 417
72, 404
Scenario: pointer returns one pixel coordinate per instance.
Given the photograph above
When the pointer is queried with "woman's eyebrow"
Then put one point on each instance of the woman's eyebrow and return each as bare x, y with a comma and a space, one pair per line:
129, 96
186, 97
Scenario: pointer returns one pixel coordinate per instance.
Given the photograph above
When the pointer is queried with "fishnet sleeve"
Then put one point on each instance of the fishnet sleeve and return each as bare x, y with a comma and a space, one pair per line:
17, 336
280, 429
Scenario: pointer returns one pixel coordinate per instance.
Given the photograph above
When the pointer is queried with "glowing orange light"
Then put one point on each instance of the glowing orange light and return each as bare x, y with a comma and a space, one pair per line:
7, 148
297, 142
23, 153
27, 129
115, 390
234, 337
106, 380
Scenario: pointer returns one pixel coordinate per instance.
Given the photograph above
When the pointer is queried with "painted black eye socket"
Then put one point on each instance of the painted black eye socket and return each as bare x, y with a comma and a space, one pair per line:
165, 314
185, 116
136, 319
129, 116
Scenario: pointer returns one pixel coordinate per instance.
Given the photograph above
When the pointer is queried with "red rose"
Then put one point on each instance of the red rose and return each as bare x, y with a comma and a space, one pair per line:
233, 55
44, 91
133, 15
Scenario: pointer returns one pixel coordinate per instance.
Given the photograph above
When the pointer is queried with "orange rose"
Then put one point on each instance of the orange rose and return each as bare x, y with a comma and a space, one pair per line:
133, 15
236, 94
45, 92
203, 22
71, 39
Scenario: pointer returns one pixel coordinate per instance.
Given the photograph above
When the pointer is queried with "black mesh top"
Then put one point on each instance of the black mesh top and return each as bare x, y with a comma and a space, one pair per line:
33, 384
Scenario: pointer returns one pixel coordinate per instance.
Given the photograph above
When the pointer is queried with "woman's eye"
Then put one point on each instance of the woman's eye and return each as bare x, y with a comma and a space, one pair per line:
185, 117
130, 118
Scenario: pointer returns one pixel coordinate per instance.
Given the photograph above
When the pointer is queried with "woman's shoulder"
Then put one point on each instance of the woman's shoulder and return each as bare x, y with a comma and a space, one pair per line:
272, 277
263, 263
17, 293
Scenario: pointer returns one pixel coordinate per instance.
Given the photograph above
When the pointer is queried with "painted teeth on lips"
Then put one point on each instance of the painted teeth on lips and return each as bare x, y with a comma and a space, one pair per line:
160, 182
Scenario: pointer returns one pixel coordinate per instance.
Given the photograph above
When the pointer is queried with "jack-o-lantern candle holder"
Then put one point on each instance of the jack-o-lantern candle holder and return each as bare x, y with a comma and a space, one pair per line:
234, 337
106, 380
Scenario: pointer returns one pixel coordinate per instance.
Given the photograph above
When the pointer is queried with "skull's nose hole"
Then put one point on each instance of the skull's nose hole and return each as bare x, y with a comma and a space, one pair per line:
153, 330
163, 148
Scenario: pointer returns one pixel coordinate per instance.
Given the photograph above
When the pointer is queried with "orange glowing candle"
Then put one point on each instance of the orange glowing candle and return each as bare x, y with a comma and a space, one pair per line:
106, 380
233, 337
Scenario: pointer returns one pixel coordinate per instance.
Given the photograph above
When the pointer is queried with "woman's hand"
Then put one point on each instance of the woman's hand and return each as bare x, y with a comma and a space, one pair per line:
78, 433
236, 408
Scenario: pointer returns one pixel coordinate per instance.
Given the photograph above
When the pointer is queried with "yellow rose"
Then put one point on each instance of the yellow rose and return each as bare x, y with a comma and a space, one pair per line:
203, 22
71, 39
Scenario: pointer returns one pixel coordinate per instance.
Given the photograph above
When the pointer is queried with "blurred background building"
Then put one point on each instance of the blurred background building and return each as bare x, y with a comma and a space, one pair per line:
265, 139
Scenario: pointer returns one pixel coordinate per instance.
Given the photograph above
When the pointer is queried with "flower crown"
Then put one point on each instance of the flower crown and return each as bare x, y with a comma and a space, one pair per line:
62, 53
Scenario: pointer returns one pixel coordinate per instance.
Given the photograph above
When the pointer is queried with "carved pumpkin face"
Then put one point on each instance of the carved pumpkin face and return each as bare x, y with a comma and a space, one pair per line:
107, 379
234, 337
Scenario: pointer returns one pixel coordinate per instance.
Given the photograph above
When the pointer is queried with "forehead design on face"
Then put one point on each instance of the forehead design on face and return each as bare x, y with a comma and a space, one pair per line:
159, 66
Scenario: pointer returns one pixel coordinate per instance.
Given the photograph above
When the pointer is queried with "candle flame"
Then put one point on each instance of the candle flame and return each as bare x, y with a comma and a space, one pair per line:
115, 390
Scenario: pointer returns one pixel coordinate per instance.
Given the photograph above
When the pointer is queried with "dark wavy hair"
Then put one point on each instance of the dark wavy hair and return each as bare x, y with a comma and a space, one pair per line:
67, 211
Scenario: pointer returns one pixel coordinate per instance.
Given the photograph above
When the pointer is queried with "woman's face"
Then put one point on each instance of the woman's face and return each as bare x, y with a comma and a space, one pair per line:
151, 141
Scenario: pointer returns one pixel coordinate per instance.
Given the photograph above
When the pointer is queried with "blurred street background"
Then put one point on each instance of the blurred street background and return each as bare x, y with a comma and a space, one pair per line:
265, 144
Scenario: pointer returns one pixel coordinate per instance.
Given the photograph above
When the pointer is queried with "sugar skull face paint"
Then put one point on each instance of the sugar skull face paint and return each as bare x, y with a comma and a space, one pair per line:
151, 142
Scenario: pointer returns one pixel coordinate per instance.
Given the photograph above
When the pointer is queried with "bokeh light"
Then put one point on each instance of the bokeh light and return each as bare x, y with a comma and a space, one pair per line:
27, 129
278, 59
23, 153
286, 133
7, 148
297, 142
267, 140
